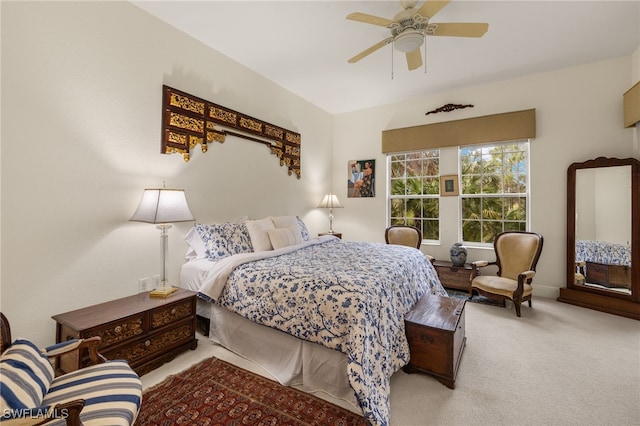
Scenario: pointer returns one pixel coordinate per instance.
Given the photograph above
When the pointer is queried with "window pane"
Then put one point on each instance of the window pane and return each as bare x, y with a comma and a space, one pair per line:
489, 231
471, 208
414, 208
414, 186
397, 208
515, 208
431, 185
431, 208
398, 187
430, 230
471, 231
397, 169
491, 184
471, 184
492, 208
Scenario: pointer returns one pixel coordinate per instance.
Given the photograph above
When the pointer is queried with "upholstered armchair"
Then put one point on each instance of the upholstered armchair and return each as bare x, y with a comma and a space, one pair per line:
404, 235
517, 255
580, 272
104, 393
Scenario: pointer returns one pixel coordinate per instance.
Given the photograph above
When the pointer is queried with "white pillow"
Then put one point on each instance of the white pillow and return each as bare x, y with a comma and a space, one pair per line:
258, 233
196, 250
288, 222
284, 237
285, 221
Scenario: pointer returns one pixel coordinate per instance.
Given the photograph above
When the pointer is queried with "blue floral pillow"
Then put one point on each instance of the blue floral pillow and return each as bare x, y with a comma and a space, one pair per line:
224, 239
303, 230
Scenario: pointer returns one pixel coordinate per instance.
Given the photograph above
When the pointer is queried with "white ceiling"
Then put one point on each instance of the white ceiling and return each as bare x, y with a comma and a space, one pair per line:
304, 45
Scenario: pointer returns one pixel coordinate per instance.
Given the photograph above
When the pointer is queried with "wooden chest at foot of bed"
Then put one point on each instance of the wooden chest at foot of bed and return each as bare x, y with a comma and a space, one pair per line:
435, 331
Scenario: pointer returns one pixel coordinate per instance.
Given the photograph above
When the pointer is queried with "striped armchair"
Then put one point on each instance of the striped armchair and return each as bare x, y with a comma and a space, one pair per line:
104, 393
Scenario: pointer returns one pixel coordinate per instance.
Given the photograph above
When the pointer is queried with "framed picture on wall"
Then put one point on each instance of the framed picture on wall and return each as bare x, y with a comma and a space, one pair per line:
449, 185
361, 178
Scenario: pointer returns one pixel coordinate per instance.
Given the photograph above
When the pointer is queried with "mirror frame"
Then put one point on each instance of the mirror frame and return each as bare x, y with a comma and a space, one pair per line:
594, 298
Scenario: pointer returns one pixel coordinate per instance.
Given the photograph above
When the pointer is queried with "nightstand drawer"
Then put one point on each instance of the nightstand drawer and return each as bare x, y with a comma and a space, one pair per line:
168, 314
150, 345
119, 331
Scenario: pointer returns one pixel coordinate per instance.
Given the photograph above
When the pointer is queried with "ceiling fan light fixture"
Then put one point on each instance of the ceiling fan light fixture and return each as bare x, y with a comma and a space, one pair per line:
408, 41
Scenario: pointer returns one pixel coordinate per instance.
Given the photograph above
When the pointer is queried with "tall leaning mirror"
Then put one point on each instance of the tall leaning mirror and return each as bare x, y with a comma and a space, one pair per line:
603, 242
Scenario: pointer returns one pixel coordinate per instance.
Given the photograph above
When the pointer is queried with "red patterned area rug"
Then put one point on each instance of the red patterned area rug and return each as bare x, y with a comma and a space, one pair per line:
215, 392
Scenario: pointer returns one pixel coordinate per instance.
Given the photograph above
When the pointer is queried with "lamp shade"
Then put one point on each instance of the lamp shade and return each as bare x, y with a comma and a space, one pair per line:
330, 201
163, 206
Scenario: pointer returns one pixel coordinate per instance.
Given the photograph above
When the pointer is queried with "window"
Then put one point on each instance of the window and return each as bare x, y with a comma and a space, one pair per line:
414, 191
494, 190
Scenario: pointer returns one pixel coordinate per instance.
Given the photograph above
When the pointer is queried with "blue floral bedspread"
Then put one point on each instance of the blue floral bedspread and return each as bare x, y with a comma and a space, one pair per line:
603, 252
348, 296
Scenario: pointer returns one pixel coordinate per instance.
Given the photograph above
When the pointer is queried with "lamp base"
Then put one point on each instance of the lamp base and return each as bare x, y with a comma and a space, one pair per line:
163, 291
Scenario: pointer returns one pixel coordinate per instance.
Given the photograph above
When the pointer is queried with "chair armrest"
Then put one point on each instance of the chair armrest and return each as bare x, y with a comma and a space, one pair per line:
527, 275
479, 264
581, 263
91, 344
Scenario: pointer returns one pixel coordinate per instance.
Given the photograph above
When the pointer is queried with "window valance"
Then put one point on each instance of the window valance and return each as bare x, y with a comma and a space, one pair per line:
489, 128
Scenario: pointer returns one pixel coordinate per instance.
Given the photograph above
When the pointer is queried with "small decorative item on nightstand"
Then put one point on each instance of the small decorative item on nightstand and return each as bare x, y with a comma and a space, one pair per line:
458, 254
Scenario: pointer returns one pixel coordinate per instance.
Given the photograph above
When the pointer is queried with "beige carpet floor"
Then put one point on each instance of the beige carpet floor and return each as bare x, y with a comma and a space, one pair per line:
556, 365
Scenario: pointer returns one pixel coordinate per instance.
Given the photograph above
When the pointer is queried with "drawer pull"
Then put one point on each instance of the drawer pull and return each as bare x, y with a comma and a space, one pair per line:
147, 343
118, 329
173, 311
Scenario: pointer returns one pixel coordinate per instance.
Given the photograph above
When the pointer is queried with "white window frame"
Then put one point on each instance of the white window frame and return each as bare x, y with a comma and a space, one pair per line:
526, 194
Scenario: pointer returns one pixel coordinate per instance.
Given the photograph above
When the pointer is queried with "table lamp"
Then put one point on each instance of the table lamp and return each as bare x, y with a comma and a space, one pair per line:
330, 201
163, 206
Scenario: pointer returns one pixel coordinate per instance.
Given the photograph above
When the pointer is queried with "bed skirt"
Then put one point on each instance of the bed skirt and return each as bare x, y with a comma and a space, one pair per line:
291, 361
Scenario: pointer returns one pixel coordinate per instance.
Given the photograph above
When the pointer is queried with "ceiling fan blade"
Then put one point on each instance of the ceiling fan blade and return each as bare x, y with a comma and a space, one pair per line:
414, 59
459, 29
369, 19
370, 50
431, 7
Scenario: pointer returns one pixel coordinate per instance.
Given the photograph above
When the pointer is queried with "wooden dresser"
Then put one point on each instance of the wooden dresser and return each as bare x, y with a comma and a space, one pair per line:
436, 335
145, 331
458, 277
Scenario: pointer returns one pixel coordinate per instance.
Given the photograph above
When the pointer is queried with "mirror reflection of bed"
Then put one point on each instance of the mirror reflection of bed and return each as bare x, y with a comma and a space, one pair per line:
611, 273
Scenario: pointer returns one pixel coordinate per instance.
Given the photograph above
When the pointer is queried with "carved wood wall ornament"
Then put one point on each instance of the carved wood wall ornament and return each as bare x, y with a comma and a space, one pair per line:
448, 108
188, 121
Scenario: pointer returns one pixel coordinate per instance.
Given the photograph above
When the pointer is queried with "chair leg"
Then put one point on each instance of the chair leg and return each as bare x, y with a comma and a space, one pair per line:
517, 306
529, 302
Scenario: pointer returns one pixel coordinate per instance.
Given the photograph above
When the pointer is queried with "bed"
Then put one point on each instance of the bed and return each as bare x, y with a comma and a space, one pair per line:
322, 313
607, 265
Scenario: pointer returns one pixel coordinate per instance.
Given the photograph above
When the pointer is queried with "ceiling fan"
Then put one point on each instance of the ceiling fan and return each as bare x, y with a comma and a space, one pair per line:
410, 27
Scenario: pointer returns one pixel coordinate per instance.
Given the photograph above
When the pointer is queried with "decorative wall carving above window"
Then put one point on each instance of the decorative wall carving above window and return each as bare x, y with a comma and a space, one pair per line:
448, 108
188, 121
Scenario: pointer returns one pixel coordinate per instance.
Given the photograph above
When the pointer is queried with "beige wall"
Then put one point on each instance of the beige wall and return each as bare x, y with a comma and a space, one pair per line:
579, 116
82, 85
